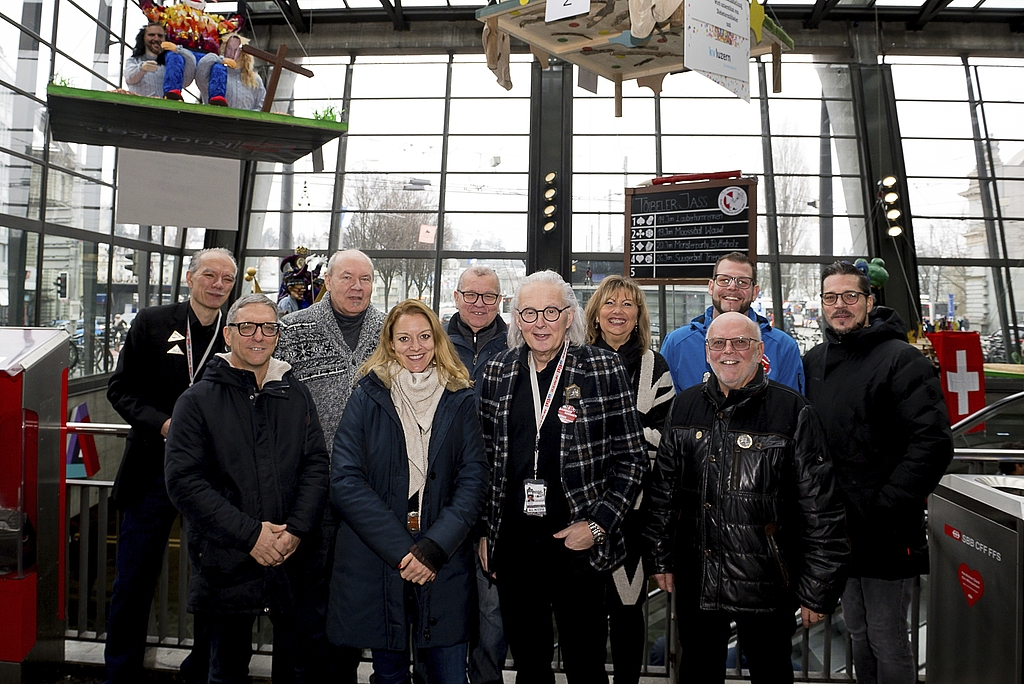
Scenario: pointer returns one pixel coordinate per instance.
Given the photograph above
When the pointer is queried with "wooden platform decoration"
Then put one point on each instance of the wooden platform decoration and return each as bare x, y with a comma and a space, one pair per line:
605, 41
95, 117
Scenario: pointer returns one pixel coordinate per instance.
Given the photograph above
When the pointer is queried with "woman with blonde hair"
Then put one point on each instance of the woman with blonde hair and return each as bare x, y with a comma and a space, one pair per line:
244, 88
408, 480
618, 320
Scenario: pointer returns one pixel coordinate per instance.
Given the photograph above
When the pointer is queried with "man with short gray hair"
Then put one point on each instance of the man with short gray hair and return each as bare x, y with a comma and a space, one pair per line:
325, 344
247, 467
165, 352
744, 522
478, 333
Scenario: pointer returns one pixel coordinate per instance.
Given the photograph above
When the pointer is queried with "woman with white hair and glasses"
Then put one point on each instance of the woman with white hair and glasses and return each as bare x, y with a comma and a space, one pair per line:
566, 445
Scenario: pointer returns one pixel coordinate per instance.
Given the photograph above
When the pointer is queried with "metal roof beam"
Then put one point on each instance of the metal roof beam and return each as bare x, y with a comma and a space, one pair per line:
395, 15
819, 12
929, 10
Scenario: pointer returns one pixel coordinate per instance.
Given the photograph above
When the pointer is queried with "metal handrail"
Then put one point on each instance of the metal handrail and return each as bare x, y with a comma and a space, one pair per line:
116, 429
982, 414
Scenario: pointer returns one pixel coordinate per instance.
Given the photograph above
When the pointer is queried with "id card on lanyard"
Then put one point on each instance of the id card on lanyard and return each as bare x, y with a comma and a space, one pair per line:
536, 491
193, 371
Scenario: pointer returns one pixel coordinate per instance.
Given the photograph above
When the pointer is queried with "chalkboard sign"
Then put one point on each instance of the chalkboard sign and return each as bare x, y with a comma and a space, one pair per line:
675, 233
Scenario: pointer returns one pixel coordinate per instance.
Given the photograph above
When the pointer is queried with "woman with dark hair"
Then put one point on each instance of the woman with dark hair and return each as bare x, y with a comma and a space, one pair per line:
617, 319
408, 480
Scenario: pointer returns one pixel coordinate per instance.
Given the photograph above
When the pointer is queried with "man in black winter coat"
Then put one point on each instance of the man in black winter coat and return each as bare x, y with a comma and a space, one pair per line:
743, 520
247, 466
888, 431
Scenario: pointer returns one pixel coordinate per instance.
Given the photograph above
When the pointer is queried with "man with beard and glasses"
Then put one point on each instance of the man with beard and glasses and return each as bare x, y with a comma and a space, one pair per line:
888, 431
733, 287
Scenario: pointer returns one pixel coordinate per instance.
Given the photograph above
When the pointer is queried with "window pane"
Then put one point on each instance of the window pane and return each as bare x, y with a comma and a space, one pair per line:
72, 298
18, 251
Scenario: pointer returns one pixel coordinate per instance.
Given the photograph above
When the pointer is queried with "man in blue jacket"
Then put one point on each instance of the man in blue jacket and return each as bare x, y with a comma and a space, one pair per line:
733, 287
479, 333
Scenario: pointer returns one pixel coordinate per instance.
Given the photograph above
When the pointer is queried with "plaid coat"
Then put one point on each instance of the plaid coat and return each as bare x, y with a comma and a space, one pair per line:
603, 453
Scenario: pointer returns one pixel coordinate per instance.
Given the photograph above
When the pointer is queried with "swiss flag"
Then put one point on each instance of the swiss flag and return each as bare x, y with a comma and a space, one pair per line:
962, 369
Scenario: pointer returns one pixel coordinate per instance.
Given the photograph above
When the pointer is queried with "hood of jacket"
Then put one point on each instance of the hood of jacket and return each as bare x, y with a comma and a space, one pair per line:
221, 371
883, 324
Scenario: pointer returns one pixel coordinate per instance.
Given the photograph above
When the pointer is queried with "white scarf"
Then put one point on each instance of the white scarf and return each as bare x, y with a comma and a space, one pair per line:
416, 396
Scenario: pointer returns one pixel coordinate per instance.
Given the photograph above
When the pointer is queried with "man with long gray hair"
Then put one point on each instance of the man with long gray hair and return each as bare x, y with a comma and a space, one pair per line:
165, 353
566, 443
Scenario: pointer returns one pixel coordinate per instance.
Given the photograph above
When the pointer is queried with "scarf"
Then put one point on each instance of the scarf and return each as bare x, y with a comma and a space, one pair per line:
416, 396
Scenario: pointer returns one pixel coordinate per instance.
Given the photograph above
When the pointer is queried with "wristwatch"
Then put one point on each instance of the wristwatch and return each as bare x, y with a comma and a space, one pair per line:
597, 532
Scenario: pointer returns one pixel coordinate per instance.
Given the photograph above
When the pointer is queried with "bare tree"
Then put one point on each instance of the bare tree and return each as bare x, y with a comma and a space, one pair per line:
386, 217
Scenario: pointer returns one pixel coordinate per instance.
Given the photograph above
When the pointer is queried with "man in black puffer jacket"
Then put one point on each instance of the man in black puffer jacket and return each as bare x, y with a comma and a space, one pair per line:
247, 467
888, 431
743, 519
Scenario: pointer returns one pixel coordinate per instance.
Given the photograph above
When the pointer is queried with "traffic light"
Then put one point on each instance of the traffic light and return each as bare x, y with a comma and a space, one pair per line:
62, 285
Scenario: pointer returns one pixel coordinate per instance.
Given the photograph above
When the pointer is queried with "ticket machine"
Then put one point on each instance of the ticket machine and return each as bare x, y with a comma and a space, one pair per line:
976, 602
33, 406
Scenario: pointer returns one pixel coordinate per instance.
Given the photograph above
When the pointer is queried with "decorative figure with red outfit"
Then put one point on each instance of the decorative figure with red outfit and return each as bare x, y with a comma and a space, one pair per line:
188, 25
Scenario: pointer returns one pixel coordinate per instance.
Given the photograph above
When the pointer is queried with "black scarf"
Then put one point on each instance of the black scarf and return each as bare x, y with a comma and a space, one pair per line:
630, 352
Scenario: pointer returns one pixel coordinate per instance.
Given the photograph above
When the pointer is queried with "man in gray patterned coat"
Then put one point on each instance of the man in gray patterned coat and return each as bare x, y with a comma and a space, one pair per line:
325, 345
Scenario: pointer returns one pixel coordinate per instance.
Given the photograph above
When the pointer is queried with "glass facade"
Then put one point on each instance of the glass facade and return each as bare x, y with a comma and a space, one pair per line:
435, 173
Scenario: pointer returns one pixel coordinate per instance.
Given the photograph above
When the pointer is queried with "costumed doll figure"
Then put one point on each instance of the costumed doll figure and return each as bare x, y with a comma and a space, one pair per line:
245, 89
299, 269
144, 70
189, 26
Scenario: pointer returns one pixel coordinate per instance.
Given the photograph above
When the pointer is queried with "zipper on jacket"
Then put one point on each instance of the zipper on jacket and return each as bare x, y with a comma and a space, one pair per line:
769, 531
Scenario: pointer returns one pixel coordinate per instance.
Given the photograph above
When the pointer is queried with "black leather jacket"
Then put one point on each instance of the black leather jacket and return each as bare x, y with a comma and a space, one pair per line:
741, 505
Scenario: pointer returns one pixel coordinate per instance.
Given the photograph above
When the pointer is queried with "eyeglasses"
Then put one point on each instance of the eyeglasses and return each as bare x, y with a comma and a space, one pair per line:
738, 343
247, 329
849, 297
489, 298
742, 282
551, 314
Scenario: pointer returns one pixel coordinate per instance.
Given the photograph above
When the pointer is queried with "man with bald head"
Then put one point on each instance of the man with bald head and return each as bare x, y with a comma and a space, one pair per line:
743, 519
325, 344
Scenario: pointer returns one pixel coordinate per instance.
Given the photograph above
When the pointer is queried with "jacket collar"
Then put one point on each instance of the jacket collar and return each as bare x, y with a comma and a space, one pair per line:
443, 416
714, 394
704, 320
883, 324
228, 374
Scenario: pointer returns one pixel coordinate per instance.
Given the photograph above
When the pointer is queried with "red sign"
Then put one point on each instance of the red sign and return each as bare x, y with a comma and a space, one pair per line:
971, 583
962, 369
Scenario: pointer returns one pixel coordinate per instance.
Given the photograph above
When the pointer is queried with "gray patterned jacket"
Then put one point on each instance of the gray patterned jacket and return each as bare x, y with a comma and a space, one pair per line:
311, 342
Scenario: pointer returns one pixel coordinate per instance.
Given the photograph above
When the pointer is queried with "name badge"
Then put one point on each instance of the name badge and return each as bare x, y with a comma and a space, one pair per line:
535, 501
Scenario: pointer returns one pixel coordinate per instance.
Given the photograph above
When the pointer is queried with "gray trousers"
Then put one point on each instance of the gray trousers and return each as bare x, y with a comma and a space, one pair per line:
876, 615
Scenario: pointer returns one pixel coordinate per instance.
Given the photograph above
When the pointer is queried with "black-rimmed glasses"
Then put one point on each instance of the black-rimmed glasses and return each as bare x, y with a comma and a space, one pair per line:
551, 314
488, 298
850, 297
742, 282
738, 343
246, 329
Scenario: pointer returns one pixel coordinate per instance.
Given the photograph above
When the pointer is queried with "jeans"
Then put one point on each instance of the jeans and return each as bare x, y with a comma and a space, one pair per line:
142, 539
765, 639
487, 648
445, 665
544, 580
876, 615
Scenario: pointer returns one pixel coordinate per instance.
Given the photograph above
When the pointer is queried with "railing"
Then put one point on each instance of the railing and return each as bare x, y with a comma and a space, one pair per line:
92, 547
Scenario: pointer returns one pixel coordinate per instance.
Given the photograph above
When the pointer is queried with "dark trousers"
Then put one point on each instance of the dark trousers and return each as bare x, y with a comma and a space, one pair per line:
551, 580
334, 664
145, 528
626, 634
231, 648
765, 640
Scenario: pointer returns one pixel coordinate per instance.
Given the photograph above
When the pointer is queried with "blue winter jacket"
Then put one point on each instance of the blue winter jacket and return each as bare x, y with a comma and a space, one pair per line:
370, 489
687, 360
